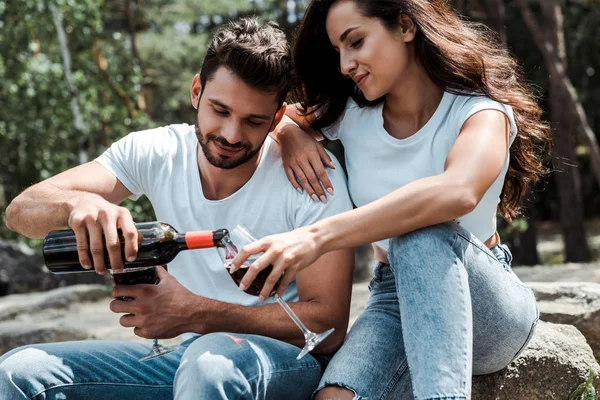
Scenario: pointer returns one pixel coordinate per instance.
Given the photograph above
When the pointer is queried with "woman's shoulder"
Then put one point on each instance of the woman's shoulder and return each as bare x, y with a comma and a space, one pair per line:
466, 104
462, 101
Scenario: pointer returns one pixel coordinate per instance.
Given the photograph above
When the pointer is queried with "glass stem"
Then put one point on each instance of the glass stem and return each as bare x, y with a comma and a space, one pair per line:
292, 315
155, 343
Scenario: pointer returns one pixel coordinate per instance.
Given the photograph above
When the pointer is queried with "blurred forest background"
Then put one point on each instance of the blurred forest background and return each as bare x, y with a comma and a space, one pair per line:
76, 75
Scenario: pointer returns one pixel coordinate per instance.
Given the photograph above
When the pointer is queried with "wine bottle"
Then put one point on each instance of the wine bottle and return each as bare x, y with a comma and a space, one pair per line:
158, 244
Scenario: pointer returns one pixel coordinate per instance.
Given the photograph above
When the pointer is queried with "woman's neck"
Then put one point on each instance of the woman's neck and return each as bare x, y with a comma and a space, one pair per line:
410, 104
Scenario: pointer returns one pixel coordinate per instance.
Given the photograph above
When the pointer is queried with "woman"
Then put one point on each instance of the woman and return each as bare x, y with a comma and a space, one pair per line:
439, 133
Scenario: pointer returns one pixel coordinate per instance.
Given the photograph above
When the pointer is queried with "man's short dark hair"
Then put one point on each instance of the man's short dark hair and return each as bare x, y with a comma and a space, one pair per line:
257, 53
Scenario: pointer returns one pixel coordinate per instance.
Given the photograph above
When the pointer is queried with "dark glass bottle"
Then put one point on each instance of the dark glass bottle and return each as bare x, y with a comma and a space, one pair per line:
158, 244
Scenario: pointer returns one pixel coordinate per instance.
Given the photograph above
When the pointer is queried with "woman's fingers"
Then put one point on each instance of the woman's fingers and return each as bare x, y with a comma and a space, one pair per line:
303, 180
311, 182
285, 281
325, 159
319, 170
256, 268
292, 178
245, 252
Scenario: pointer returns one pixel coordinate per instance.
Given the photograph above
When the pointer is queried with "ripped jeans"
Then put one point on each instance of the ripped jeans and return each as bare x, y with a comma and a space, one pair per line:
212, 366
444, 309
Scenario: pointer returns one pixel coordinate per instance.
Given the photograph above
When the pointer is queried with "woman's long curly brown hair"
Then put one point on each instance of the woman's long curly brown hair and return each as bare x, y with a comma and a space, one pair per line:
458, 55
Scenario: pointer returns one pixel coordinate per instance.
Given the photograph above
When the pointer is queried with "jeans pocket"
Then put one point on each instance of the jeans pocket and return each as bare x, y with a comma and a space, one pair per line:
372, 284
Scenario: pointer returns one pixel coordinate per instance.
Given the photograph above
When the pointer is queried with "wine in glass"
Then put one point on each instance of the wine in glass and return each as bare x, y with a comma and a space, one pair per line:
145, 275
238, 238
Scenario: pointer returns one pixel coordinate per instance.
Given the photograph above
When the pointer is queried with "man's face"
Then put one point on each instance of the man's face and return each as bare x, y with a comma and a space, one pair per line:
233, 120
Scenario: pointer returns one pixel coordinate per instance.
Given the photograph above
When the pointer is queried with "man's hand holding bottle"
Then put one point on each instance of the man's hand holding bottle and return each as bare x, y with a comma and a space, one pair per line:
96, 224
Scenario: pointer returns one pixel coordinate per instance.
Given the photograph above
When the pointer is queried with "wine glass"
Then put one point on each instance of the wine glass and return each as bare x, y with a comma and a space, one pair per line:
134, 276
238, 238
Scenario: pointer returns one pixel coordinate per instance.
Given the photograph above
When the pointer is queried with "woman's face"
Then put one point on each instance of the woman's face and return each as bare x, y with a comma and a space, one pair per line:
375, 57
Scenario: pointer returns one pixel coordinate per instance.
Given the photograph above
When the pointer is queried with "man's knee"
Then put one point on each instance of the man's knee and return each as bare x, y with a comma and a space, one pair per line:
335, 393
213, 364
29, 370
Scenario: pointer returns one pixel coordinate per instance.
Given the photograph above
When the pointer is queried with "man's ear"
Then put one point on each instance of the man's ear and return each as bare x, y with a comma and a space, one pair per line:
408, 28
195, 91
278, 116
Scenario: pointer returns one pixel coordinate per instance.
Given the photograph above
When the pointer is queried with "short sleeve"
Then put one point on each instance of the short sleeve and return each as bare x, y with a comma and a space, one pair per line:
129, 159
332, 132
474, 104
309, 211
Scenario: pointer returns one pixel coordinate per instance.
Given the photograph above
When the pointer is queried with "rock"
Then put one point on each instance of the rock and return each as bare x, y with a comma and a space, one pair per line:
22, 270
572, 303
560, 273
61, 298
17, 333
556, 360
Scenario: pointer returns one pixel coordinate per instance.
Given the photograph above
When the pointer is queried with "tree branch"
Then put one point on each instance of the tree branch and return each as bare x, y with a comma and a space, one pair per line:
100, 62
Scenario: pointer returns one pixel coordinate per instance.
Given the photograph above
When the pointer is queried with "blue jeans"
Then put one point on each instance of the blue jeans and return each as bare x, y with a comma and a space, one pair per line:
444, 309
212, 366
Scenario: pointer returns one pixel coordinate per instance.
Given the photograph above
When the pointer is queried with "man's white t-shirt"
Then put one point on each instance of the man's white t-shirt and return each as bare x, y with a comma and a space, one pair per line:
378, 163
162, 164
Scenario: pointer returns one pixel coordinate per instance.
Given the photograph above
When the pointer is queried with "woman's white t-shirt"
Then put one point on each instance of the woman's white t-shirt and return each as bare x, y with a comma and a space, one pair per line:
378, 163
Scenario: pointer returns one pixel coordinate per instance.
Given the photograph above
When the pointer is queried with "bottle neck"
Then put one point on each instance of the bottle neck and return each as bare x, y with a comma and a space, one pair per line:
200, 239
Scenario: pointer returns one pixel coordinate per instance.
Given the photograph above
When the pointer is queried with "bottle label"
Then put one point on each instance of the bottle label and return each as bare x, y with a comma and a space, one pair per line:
199, 240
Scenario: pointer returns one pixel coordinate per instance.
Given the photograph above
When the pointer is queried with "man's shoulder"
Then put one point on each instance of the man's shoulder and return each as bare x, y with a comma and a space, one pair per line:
274, 163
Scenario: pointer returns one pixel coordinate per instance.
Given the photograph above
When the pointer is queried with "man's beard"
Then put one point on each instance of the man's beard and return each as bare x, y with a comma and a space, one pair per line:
220, 161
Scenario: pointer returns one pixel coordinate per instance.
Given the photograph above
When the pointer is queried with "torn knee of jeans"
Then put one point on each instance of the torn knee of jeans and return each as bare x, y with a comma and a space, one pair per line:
356, 396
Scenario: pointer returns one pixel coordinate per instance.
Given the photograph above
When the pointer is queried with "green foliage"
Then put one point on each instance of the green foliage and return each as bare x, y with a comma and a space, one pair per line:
37, 138
585, 391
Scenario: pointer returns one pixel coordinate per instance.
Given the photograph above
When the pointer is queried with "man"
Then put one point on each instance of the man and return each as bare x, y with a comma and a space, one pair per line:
224, 171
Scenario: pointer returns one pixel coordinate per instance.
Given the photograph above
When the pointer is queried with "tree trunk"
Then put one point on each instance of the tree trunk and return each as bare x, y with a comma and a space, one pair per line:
78, 125
557, 66
549, 38
528, 241
524, 244
564, 158
496, 18
568, 180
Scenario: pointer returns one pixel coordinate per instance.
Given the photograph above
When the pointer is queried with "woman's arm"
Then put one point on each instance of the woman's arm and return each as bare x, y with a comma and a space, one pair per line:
304, 158
296, 118
473, 164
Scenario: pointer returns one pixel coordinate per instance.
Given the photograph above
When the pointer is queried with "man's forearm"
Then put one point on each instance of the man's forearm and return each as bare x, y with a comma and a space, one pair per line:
272, 321
41, 209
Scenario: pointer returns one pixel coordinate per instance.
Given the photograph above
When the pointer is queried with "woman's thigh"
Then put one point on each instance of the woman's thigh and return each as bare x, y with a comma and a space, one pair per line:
504, 309
372, 362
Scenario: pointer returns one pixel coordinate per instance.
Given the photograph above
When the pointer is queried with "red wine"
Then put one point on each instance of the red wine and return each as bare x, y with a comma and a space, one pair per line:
258, 283
158, 244
136, 276
256, 286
